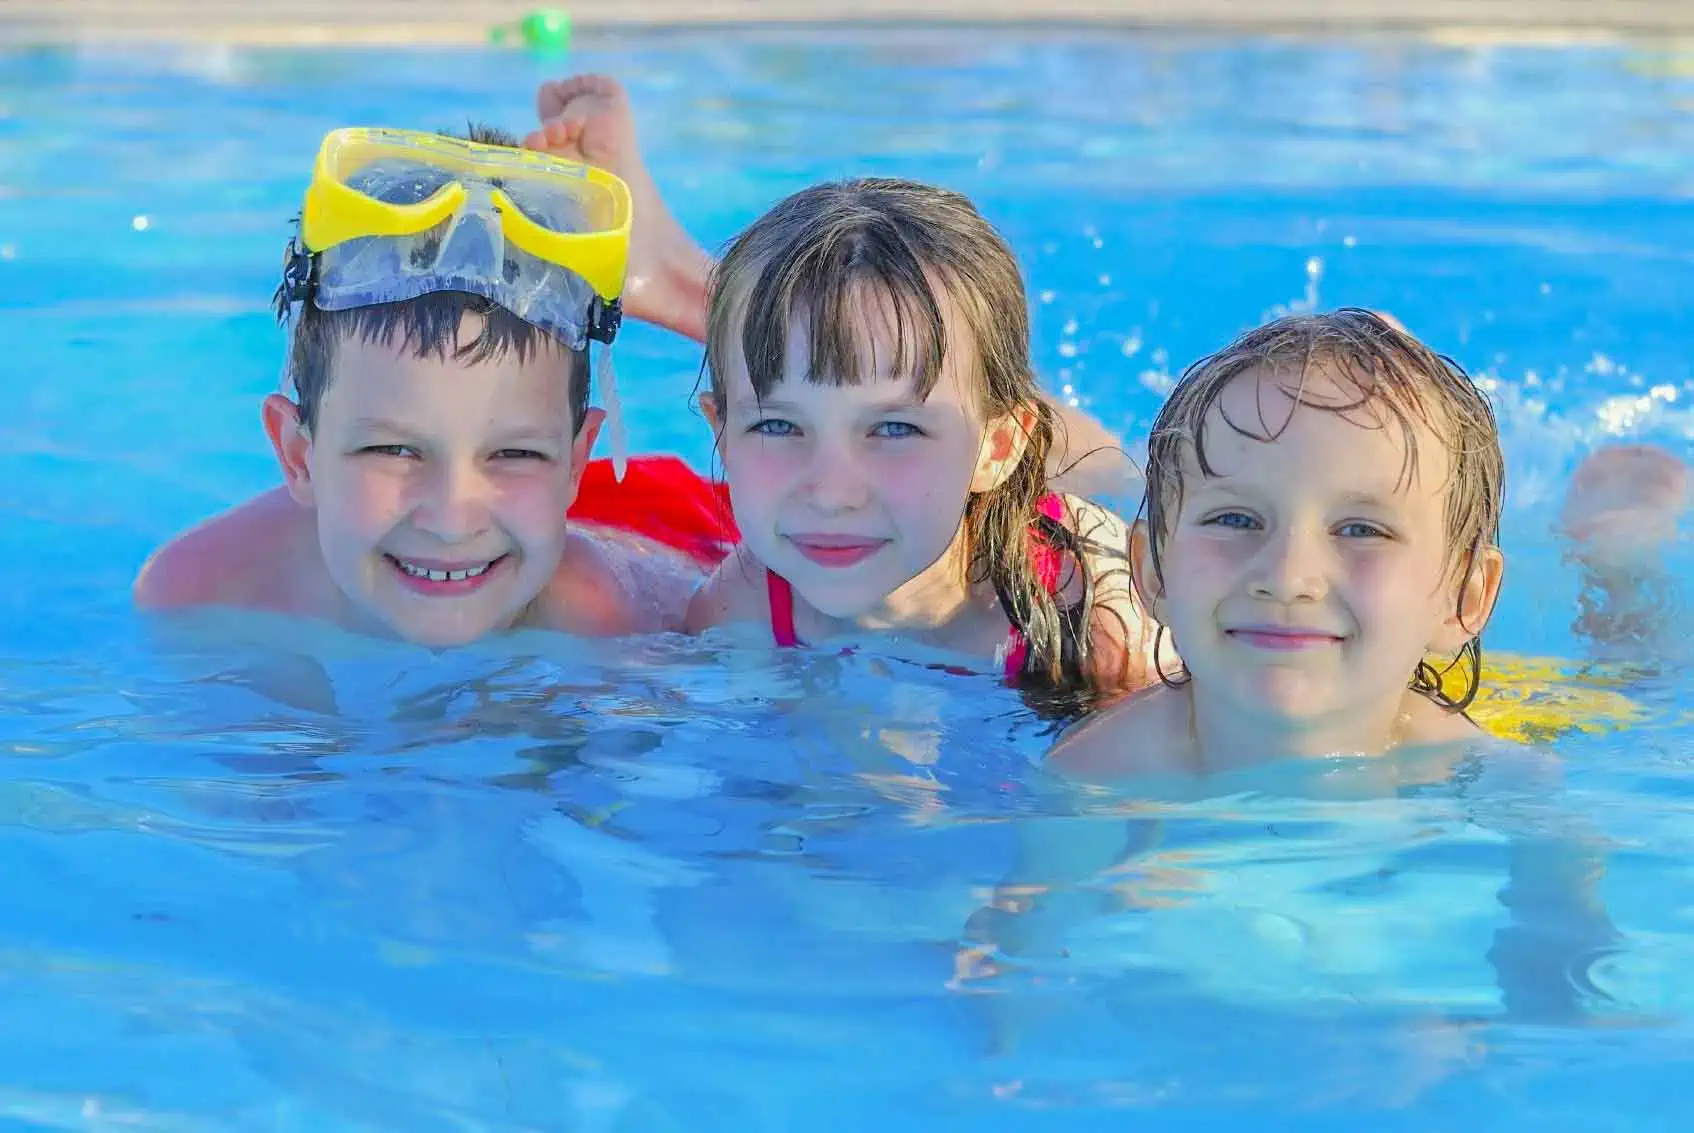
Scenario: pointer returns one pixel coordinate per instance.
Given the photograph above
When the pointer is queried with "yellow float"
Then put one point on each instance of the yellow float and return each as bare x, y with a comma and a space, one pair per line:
1539, 699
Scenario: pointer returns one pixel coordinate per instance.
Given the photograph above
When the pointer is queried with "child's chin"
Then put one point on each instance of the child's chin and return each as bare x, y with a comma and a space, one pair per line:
1288, 700
844, 606
445, 633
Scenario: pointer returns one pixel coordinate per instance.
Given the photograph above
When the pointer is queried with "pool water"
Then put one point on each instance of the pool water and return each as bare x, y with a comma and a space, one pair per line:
262, 876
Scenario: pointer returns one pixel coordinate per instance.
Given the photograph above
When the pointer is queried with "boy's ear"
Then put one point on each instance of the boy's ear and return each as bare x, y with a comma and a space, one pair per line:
708, 403
1003, 445
293, 445
1477, 595
1149, 587
583, 446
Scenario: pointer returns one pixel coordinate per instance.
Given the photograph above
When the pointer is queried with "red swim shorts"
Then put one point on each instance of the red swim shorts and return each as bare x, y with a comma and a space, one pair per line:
662, 499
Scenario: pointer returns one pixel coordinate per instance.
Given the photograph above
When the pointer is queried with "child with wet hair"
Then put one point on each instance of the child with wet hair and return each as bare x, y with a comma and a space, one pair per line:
1320, 547
1320, 544
435, 436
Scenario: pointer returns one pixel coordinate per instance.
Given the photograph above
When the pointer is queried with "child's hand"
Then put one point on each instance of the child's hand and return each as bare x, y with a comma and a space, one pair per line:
587, 118
1624, 502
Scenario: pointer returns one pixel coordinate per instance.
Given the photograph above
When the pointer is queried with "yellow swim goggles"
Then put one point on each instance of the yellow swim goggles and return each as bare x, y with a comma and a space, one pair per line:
394, 214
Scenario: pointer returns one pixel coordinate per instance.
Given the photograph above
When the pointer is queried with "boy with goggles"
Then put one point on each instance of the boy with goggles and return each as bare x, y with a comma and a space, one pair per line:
441, 295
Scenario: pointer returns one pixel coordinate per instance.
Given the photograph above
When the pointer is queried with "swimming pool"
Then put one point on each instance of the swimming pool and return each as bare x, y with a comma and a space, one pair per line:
659, 885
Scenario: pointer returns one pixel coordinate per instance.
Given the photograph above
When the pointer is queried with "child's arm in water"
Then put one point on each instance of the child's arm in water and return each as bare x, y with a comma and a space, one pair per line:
1073, 870
1622, 507
1058, 880
259, 555
1621, 510
1558, 927
588, 118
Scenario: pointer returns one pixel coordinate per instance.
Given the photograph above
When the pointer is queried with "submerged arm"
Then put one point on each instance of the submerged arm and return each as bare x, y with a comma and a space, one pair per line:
1048, 891
1558, 927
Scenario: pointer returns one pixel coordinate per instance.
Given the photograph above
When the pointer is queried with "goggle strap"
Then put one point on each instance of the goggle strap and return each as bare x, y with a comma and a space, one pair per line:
614, 414
604, 319
297, 268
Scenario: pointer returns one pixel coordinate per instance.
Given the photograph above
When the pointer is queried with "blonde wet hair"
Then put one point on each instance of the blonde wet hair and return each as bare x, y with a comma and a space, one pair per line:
832, 255
1387, 377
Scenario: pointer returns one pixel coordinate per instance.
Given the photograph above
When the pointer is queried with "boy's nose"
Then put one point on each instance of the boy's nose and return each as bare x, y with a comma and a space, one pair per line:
454, 508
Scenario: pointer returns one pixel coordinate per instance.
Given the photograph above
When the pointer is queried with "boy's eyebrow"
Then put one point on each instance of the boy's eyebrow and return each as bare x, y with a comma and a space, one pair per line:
525, 425
380, 424
524, 432
527, 435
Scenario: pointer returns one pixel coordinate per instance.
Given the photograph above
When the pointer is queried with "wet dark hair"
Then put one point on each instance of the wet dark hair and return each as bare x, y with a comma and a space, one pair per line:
1383, 372
427, 325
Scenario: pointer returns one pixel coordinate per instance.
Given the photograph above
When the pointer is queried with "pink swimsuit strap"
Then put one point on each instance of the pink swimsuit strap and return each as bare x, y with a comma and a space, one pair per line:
1049, 566
782, 610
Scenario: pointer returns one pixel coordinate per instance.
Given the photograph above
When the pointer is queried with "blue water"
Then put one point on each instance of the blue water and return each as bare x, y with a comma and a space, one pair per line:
264, 877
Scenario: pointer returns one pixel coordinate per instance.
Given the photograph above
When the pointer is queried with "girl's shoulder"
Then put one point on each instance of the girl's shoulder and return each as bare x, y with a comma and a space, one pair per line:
735, 591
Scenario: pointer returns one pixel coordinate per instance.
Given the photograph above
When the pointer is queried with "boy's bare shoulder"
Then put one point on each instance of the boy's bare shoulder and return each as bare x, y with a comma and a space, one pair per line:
734, 592
1424, 722
1144, 734
242, 557
610, 583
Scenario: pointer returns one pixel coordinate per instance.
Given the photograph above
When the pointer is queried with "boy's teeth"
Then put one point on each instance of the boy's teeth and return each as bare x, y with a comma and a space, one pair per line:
442, 575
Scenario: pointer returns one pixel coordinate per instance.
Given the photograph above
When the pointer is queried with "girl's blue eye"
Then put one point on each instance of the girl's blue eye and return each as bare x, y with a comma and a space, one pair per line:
896, 430
1234, 520
1359, 529
774, 427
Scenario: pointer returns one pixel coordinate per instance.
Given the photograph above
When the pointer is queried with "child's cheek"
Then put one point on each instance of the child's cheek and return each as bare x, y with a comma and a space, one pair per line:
373, 499
1200, 572
762, 469
1195, 556
1381, 575
533, 499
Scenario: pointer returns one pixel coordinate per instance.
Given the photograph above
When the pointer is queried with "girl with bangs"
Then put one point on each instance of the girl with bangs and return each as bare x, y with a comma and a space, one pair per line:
886, 446
893, 467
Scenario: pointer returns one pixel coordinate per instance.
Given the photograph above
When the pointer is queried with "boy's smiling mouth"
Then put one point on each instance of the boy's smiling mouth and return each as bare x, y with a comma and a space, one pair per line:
442, 578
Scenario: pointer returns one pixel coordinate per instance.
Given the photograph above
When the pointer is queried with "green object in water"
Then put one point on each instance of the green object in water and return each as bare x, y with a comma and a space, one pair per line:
548, 29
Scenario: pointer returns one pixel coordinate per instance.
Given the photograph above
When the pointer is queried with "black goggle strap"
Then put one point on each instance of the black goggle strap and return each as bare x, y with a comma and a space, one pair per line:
299, 268
604, 319
297, 273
